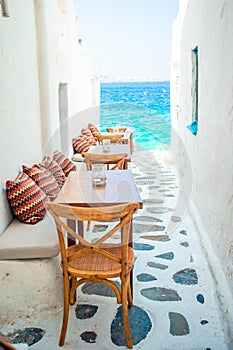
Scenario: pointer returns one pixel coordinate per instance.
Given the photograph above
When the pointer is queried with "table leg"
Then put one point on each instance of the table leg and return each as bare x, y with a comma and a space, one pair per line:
125, 167
80, 228
72, 225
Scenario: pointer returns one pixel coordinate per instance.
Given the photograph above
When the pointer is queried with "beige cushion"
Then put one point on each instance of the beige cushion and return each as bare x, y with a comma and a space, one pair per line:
77, 157
23, 241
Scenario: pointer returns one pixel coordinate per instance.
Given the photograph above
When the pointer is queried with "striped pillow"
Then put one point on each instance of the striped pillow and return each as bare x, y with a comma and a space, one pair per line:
55, 169
44, 179
26, 199
80, 144
64, 162
90, 138
95, 131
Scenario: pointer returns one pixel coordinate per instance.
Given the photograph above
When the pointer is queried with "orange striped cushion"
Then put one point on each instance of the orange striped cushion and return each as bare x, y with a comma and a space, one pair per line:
64, 162
90, 138
55, 169
26, 199
80, 144
95, 131
44, 179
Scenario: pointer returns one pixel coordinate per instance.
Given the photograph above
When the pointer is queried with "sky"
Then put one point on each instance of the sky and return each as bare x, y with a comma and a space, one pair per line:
128, 38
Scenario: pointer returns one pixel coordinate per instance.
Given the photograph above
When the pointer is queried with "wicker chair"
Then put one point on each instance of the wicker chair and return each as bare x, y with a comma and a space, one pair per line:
122, 129
4, 345
117, 160
115, 138
96, 261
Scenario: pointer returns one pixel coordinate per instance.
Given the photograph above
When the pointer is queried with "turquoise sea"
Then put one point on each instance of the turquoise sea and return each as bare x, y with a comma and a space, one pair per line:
142, 105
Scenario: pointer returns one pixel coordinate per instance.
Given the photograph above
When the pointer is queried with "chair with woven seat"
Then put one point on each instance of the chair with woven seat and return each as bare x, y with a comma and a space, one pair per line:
4, 345
117, 160
115, 138
121, 129
97, 261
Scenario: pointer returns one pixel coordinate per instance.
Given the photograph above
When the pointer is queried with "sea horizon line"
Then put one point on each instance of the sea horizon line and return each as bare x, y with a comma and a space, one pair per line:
124, 79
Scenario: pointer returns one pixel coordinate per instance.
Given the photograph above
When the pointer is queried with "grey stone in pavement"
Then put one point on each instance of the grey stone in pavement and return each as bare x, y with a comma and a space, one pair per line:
167, 256
83, 311
147, 218
186, 276
99, 289
178, 324
185, 244
159, 238
142, 228
30, 335
160, 294
160, 210
176, 218
157, 265
145, 277
89, 337
139, 322
99, 228
142, 246
200, 298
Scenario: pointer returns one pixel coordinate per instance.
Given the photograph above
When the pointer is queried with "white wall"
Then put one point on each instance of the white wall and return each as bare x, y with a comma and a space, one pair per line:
209, 26
65, 62
20, 131
39, 50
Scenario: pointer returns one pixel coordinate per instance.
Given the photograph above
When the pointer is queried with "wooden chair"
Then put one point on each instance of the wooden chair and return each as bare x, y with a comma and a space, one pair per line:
117, 160
122, 129
115, 138
96, 261
4, 345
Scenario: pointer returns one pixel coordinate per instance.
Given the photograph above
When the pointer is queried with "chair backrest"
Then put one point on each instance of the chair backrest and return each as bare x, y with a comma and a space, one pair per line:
121, 129
119, 215
117, 159
115, 138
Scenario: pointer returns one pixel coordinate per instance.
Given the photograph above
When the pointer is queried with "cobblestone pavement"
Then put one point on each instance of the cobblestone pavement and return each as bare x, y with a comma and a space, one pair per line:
174, 294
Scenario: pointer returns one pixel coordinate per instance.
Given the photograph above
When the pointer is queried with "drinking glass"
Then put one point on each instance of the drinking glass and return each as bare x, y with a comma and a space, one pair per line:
98, 175
106, 146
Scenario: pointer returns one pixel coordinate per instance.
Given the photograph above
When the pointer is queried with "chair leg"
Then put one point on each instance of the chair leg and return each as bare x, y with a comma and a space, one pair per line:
125, 316
65, 312
88, 225
129, 294
72, 295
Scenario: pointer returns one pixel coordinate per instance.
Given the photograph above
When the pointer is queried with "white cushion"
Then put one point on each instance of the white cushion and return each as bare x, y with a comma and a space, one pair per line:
77, 157
25, 241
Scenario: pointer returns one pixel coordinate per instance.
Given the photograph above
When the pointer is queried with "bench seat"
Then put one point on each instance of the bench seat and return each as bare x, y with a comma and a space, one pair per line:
24, 241
30, 271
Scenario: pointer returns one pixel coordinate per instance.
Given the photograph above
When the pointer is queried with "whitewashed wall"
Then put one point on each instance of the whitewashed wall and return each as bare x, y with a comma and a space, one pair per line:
20, 131
208, 25
40, 50
63, 61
